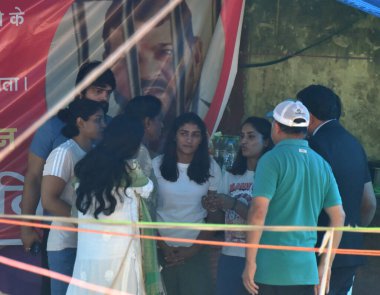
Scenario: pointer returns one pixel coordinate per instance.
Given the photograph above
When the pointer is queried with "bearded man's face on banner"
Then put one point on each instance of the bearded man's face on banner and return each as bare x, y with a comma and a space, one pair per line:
158, 65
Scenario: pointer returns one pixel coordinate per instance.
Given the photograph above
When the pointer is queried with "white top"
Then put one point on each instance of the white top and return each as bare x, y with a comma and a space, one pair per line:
109, 260
180, 201
240, 187
61, 163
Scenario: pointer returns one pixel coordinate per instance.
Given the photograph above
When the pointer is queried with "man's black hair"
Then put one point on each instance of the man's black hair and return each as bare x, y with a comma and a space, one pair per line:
293, 130
143, 106
107, 78
321, 102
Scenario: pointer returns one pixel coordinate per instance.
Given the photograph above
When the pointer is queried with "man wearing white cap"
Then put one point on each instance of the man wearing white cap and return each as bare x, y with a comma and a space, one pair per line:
292, 186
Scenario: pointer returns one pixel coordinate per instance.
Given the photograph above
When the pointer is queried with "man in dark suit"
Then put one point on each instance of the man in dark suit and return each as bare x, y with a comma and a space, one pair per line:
349, 164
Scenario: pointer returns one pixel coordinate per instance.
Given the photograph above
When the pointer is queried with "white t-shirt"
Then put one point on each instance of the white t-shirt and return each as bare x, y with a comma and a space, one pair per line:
180, 201
240, 187
61, 163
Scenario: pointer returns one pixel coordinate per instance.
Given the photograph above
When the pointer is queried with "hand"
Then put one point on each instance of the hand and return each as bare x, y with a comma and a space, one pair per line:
248, 278
180, 254
184, 253
28, 236
224, 202
217, 202
170, 255
317, 288
208, 203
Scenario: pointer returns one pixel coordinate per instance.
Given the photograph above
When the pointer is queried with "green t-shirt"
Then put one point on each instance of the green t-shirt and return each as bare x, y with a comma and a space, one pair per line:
299, 184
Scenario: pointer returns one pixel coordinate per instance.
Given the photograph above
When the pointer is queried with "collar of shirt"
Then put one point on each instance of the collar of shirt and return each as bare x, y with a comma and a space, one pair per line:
298, 142
325, 122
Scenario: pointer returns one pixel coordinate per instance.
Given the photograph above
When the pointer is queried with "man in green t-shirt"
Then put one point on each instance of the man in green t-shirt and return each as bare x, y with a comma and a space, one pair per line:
293, 185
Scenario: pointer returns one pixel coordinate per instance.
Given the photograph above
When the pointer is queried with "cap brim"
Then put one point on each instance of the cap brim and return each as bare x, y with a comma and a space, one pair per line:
269, 115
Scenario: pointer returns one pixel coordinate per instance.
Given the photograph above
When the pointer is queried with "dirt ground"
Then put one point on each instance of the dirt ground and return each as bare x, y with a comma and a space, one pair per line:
367, 281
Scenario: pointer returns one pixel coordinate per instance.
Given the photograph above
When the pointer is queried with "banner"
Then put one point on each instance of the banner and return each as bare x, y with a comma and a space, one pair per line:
189, 61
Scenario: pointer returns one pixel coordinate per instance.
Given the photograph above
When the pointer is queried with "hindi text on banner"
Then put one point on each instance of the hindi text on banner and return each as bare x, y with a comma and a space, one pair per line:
17, 17
7, 136
1, 19
6, 84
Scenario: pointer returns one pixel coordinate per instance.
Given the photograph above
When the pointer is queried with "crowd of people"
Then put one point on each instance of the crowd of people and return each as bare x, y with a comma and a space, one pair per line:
300, 167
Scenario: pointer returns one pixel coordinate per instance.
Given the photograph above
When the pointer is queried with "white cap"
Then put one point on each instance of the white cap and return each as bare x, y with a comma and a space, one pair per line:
287, 112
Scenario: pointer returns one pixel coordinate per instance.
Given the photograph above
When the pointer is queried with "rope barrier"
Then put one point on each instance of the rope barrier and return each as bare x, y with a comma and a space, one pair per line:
14, 220
190, 226
185, 226
58, 276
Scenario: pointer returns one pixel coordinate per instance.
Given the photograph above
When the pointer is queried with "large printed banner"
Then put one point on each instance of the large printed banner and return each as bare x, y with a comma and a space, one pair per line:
189, 61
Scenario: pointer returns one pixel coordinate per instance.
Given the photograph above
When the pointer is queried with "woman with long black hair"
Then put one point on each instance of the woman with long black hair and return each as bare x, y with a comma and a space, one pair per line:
110, 185
235, 199
185, 173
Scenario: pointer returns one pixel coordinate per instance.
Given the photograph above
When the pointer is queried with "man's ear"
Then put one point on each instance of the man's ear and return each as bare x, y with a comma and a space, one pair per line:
197, 56
80, 122
266, 142
196, 66
147, 123
197, 50
276, 127
313, 123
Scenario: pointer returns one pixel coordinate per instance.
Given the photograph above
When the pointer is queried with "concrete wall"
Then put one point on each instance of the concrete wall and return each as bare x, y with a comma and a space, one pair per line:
348, 62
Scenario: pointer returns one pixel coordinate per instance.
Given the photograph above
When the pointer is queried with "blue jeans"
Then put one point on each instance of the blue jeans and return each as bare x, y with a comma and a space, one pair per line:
62, 262
17, 281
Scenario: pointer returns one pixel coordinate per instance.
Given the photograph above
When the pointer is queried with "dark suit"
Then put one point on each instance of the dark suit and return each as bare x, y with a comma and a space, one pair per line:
349, 164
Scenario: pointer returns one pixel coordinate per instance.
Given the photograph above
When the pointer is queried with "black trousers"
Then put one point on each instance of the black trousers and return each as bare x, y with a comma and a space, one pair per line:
341, 280
286, 290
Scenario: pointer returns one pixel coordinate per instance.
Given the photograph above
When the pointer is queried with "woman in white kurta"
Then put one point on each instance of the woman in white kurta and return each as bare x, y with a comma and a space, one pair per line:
110, 187
110, 260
